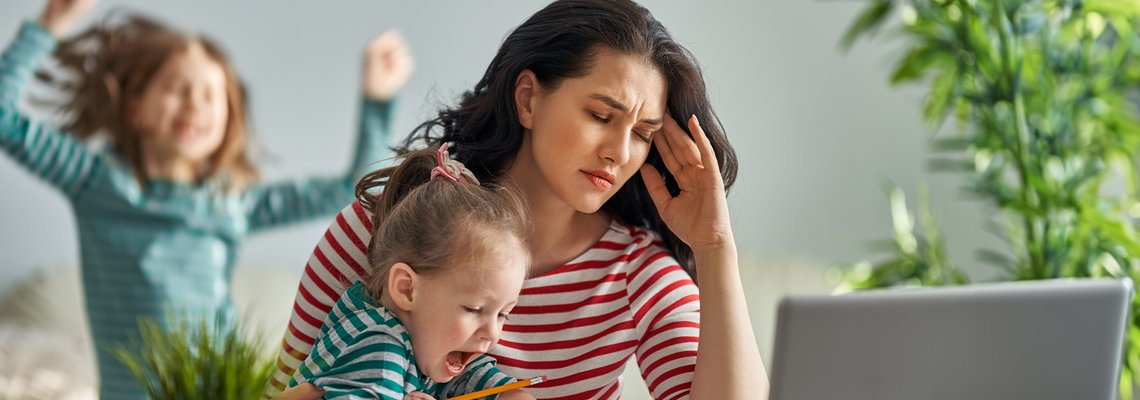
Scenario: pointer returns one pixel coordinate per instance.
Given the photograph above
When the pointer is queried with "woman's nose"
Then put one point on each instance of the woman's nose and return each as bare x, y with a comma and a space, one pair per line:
615, 149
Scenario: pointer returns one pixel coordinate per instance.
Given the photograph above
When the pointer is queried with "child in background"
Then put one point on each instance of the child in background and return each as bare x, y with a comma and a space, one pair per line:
449, 262
162, 209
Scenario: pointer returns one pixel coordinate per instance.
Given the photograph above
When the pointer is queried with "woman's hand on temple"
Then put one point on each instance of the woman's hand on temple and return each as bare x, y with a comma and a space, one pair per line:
699, 214
59, 16
388, 64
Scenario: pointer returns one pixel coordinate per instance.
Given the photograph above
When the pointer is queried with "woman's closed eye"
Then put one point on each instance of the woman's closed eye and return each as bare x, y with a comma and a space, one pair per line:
647, 137
600, 118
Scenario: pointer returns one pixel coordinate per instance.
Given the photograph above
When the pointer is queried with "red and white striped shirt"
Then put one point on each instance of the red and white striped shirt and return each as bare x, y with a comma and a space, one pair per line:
577, 324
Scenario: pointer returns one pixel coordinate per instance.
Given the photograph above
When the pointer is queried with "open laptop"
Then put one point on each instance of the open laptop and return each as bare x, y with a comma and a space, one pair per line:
1058, 339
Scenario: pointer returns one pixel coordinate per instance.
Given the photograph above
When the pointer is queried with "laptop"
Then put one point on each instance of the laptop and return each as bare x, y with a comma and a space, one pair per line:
1041, 340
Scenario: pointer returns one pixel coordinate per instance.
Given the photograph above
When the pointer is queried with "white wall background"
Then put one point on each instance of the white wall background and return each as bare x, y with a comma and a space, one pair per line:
818, 131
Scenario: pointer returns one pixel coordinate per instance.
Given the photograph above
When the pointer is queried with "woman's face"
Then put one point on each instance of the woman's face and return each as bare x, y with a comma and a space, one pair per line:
585, 138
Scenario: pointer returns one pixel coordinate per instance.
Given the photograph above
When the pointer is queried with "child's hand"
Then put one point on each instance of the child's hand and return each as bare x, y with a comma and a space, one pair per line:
517, 394
304, 391
418, 396
59, 16
388, 65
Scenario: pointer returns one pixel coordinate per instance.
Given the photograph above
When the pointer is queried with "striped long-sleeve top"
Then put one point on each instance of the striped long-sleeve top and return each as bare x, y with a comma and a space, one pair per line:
577, 324
363, 351
146, 247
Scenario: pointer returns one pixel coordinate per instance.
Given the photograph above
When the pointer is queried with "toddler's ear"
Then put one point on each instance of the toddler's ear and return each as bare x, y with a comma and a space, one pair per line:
401, 285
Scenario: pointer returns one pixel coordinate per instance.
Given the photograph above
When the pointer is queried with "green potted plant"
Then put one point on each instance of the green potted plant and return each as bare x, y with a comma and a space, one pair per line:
1044, 96
197, 359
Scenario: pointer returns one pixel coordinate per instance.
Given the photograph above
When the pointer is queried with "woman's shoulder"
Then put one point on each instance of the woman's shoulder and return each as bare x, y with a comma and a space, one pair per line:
621, 235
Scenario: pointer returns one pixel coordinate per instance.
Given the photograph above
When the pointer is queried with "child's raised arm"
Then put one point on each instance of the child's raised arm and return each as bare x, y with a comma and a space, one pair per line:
387, 67
59, 159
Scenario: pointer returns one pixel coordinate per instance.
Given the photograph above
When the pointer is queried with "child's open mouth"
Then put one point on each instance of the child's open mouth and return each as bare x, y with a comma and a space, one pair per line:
457, 360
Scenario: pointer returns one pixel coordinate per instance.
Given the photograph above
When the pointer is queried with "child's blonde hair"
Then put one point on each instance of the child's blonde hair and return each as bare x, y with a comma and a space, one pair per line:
432, 223
110, 65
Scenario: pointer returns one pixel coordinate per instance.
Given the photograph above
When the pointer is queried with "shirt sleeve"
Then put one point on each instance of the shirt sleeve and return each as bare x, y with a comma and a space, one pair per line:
481, 373
55, 157
666, 312
339, 259
303, 199
372, 366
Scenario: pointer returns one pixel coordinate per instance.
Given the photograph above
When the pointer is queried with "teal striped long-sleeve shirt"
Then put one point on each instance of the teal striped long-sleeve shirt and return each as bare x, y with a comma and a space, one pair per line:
146, 247
363, 351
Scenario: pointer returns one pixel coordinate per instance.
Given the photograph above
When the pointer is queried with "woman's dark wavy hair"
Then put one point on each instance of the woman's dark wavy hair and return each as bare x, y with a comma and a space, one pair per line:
559, 42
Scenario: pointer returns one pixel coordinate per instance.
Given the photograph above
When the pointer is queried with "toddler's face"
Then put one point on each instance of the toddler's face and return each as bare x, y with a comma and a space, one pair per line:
183, 112
459, 314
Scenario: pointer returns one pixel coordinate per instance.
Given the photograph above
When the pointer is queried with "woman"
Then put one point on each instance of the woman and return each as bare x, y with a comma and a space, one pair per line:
579, 99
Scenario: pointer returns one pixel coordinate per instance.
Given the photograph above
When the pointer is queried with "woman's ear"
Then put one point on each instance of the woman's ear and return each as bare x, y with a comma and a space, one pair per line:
401, 285
526, 87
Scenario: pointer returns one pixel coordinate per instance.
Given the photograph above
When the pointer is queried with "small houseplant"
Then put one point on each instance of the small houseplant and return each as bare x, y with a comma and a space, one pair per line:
196, 359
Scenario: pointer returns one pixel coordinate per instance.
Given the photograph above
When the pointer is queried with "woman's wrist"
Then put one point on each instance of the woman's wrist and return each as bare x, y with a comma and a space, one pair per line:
719, 255
721, 244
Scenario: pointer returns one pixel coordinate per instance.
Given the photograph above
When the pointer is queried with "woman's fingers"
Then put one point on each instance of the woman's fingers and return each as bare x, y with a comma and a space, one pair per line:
656, 187
701, 143
666, 151
683, 147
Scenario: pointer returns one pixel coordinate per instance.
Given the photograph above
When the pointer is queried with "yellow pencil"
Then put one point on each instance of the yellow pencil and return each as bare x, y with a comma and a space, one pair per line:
500, 389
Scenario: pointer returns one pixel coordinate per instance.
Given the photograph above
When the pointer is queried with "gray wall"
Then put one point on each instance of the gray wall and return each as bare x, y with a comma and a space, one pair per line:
817, 130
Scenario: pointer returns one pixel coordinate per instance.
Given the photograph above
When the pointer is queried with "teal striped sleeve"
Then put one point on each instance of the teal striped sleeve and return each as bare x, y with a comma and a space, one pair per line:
481, 374
57, 158
374, 131
373, 366
303, 199
33, 44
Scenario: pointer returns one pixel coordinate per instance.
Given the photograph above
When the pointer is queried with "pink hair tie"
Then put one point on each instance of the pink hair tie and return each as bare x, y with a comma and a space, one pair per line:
442, 170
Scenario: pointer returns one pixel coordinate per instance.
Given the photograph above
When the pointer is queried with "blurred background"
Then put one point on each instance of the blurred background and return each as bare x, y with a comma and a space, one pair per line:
818, 131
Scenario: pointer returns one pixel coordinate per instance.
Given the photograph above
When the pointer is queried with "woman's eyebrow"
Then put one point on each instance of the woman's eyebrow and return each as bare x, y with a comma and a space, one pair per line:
612, 102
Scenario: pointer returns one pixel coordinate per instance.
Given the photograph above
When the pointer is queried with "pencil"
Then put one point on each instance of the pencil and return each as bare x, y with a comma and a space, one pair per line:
500, 389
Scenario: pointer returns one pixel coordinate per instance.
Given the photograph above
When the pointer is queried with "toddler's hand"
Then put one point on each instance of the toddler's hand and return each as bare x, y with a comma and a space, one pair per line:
304, 391
418, 396
517, 394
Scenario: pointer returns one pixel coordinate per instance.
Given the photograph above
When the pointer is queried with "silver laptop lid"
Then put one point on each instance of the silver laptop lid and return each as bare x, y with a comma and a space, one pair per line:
1059, 339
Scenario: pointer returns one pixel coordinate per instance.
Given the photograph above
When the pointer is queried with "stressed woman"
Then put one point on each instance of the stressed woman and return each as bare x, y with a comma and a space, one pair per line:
601, 120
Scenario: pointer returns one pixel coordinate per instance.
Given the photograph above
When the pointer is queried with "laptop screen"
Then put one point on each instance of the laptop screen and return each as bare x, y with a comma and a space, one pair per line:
1059, 339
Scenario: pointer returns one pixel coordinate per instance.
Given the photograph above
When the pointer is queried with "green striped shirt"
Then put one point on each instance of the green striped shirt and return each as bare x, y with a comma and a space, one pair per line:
146, 247
364, 352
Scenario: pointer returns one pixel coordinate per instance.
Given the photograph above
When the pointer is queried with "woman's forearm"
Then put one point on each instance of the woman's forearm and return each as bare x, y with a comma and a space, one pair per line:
728, 359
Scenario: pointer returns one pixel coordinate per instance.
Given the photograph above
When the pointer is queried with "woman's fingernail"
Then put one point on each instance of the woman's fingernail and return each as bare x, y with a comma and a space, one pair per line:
695, 119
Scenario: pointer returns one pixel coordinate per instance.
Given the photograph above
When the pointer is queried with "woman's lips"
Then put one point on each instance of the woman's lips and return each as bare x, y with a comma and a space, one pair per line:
601, 179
